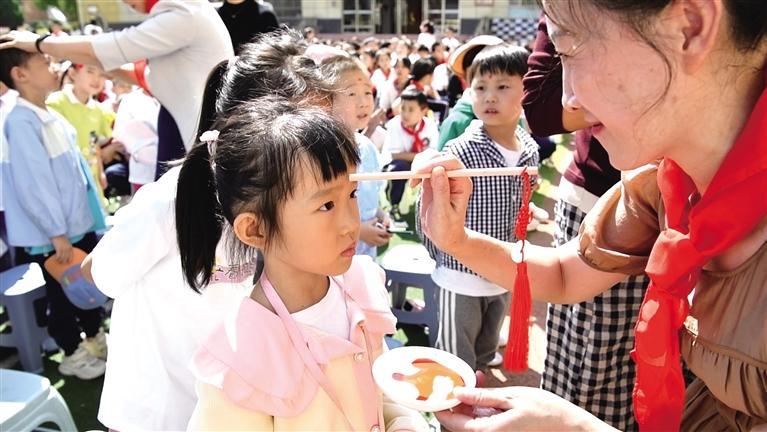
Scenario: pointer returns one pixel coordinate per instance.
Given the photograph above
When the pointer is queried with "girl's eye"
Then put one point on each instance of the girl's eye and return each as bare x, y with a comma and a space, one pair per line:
503, 86
327, 206
354, 194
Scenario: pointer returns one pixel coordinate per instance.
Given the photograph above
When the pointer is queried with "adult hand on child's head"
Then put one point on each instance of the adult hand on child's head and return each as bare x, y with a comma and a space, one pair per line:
23, 40
63, 249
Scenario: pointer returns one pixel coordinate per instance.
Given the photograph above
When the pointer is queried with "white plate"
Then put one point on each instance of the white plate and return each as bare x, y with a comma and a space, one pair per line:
400, 360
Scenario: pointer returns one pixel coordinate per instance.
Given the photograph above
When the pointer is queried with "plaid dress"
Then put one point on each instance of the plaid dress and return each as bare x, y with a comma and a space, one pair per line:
587, 357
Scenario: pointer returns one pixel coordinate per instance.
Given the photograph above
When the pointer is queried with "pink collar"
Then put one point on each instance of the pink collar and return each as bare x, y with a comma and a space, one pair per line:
251, 358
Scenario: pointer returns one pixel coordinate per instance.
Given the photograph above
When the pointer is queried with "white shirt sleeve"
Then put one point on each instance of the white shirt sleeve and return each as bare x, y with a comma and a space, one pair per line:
161, 34
431, 132
142, 235
394, 142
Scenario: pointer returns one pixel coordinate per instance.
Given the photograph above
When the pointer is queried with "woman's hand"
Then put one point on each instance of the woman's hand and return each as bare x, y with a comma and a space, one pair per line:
63, 249
22, 40
443, 200
516, 408
373, 233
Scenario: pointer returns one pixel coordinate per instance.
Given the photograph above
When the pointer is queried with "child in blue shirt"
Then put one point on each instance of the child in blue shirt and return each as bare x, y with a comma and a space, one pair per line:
353, 104
48, 207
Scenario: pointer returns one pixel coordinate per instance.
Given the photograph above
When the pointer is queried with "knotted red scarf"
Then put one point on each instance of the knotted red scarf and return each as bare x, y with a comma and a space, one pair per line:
698, 230
418, 144
149, 5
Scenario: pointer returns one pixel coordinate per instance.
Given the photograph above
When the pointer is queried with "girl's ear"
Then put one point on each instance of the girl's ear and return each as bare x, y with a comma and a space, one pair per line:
248, 228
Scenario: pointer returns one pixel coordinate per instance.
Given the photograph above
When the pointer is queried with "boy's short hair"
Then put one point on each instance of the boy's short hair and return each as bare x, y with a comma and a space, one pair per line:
9, 59
422, 67
411, 93
423, 48
504, 58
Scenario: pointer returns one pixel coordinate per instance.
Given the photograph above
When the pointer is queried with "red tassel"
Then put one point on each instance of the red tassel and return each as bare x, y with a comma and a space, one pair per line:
515, 357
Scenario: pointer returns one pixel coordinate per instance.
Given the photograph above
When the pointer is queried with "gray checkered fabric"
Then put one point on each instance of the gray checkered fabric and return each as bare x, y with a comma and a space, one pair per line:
587, 360
520, 30
495, 201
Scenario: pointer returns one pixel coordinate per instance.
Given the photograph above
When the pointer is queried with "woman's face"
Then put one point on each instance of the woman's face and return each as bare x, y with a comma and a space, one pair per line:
619, 83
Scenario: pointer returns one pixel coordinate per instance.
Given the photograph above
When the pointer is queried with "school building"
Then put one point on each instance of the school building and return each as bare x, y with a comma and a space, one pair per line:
513, 20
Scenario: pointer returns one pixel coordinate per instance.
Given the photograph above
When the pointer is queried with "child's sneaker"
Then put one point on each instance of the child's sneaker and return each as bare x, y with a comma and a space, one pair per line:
496, 361
96, 345
82, 365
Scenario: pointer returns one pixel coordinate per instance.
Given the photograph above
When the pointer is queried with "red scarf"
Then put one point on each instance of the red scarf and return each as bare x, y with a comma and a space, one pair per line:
417, 85
418, 144
149, 5
698, 230
385, 73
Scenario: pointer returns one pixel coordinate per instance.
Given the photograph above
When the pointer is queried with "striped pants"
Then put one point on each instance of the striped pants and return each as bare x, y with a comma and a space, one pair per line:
469, 326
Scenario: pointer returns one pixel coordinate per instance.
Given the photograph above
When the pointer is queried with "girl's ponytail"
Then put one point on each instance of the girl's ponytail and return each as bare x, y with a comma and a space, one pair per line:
198, 217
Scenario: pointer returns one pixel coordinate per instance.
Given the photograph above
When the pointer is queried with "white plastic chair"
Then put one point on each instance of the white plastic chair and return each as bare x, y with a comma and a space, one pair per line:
28, 401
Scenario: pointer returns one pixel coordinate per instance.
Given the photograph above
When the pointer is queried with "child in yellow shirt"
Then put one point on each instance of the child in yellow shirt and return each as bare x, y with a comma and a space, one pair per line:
93, 124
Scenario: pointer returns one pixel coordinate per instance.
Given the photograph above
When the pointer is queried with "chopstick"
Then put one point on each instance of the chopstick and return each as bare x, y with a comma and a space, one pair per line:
469, 172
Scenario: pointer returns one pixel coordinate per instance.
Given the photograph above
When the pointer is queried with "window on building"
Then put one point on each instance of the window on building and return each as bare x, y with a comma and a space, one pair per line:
444, 14
288, 11
358, 16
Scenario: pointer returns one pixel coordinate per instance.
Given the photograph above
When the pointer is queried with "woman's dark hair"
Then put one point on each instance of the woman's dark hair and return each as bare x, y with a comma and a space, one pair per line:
261, 149
507, 59
210, 95
748, 18
273, 64
421, 68
748, 21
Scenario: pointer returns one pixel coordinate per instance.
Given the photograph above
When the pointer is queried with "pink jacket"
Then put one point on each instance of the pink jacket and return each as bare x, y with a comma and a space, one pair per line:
250, 376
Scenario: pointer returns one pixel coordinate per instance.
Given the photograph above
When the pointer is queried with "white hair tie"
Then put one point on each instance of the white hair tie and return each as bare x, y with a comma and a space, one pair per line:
209, 138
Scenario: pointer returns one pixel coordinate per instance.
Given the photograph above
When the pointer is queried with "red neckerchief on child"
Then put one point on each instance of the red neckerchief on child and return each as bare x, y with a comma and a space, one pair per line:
417, 85
139, 68
698, 230
150, 4
385, 73
418, 144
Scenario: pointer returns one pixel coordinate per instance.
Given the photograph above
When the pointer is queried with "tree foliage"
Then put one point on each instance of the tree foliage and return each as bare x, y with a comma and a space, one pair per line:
69, 7
10, 14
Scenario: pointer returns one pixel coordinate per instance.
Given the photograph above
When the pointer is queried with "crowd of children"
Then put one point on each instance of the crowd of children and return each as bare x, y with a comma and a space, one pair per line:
264, 199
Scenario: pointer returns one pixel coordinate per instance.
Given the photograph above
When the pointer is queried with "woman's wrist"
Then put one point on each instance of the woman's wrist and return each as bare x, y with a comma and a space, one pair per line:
39, 43
460, 246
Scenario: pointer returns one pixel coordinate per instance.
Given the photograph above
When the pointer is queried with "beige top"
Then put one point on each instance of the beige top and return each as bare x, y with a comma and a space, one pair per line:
724, 341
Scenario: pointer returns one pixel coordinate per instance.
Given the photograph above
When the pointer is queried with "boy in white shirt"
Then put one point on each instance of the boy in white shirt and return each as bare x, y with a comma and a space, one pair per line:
407, 134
